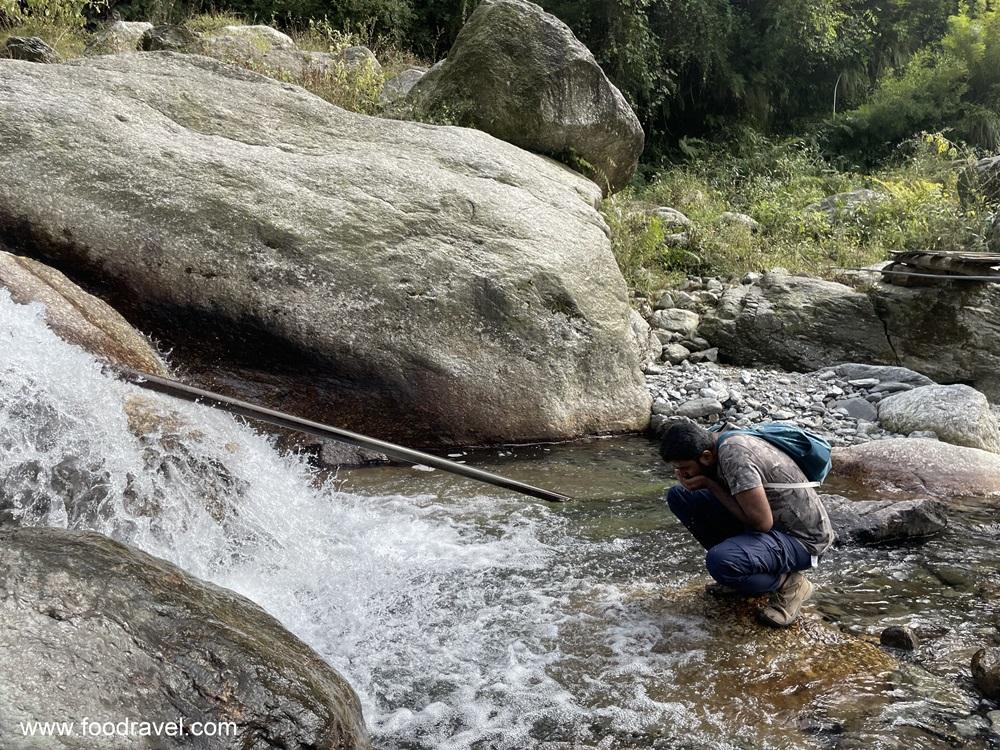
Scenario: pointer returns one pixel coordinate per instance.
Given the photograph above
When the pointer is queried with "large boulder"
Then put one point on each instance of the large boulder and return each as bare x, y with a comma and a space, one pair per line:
423, 283
397, 87
118, 38
955, 413
920, 465
873, 522
947, 333
796, 322
520, 74
78, 317
98, 630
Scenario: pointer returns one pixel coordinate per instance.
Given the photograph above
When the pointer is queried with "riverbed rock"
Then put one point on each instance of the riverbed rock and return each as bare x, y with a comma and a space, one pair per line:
433, 285
96, 629
881, 373
76, 316
957, 414
29, 49
796, 322
675, 321
986, 671
898, 636
521, 75
118, 38
874, 522
921, 465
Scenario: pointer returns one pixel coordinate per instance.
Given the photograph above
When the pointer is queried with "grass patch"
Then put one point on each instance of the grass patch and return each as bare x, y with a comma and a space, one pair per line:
776, 183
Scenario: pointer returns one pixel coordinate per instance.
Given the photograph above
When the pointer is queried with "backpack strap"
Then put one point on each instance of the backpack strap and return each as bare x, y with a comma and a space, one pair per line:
789, 485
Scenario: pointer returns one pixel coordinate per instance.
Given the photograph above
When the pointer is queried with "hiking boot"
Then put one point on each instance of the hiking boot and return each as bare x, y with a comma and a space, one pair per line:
787, 601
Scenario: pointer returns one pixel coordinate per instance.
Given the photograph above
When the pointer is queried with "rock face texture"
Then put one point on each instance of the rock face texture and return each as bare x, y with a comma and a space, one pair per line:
948, 334
410, 281
520, 74
86, 618
873, 522
118, 38
798, 323
920, 465
78, 317
957, 414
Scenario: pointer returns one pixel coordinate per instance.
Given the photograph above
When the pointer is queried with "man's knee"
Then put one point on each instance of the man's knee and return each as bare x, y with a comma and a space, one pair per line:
726, 563
678, 498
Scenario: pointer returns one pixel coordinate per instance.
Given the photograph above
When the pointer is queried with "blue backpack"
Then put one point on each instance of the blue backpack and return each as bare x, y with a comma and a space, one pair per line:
810, 452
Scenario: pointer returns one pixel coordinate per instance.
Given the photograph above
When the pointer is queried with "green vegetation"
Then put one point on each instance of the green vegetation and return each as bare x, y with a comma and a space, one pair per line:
778, 184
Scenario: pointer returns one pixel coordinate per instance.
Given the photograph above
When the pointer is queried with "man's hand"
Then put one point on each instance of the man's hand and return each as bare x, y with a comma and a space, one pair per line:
696, 482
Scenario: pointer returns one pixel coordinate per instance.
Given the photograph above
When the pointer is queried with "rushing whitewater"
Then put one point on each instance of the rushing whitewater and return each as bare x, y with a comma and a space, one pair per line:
445, 614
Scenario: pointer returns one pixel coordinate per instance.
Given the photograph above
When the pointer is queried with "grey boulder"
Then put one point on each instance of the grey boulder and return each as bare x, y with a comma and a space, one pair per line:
423, 283
796, 322
920, 465
29, 49
96, 629
873, 522
957, 414
881, 373
521, 75
169, 38
118, 38
76, 316
397, 87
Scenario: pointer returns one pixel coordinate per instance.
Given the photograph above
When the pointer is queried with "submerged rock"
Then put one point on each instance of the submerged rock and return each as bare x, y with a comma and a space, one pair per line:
956, 414
95, 629
875, 522
430, 284
986, 672
897, 636
920, 465
78, 317
521, 75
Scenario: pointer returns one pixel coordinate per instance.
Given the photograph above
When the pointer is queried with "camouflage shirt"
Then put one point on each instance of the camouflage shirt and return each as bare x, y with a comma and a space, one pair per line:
746, 462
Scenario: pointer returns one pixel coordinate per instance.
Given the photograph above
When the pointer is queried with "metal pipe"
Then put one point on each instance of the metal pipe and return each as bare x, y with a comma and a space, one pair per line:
994, 279
185, 392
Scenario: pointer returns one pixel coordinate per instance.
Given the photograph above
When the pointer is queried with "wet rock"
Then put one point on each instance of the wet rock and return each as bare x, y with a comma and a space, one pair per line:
530, 341
86, 618
521, 75
118, 38
986, 671
873, 522
901, 637
169, 38
334, 453
957, 414
78, 317
920, 465
29, 49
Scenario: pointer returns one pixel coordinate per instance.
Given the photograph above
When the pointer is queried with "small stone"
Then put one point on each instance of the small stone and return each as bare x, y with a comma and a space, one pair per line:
676, 320
864, 382
994, 719
666, 301
827, 375
671, 218
745, 377
698, 408
653, 370
834, 390
750, 278
714, 285
782, 414
858, 408
898, 636
663, 407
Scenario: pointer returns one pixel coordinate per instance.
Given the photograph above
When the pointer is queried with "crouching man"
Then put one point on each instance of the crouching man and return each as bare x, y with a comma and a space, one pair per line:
752, 508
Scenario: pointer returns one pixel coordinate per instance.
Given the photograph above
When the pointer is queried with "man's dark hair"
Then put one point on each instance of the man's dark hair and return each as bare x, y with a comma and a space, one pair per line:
685, 441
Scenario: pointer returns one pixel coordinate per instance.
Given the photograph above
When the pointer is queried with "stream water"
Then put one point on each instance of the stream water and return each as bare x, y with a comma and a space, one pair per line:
471, 618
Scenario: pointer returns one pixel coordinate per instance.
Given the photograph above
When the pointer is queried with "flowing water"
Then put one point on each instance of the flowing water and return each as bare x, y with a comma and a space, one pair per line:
470, 618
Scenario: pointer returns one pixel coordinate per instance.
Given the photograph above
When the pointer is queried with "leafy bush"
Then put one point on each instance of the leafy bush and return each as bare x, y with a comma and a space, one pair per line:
779, 183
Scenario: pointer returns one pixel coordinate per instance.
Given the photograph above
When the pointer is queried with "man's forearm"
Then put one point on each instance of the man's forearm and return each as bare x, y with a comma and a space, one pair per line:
728, 502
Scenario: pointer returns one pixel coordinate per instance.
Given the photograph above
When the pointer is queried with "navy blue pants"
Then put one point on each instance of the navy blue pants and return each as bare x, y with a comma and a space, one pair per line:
753, 562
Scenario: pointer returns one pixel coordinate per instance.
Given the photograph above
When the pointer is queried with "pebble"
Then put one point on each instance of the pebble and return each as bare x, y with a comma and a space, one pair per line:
699, 407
